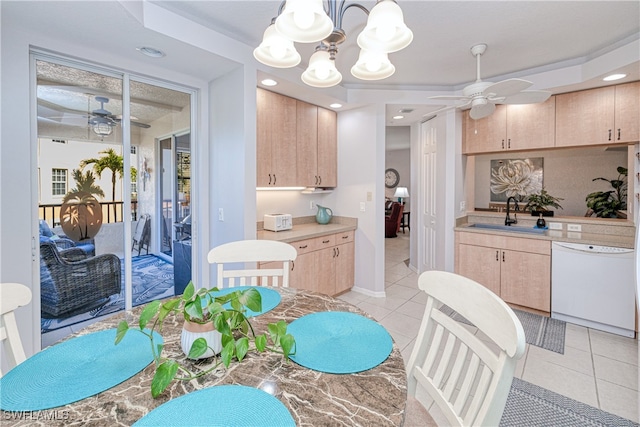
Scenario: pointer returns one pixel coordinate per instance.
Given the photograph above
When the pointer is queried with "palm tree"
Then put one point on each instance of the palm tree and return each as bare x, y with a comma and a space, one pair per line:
84, 183
112, 161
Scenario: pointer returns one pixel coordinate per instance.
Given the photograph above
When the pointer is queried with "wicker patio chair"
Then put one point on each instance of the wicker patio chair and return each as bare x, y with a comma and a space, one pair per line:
63, 242
73, 283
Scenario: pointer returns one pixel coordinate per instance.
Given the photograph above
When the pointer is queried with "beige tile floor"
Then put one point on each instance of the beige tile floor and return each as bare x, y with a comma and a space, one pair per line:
597, 368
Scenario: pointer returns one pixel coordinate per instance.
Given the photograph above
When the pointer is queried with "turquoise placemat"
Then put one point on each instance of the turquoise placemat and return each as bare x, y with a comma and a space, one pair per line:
270, 298
339, 342
223, 406
73, 370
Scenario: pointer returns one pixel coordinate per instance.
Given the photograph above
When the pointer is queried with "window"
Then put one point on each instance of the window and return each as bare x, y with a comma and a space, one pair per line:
58, 182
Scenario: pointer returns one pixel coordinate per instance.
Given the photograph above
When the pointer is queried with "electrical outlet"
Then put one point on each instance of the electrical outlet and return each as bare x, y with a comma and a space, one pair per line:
463, 206
311, 205
574, 227
220, 214
555, 226
369, 196
363, 206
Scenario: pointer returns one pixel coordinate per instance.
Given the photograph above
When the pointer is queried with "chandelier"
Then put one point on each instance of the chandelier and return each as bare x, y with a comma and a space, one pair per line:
307, 21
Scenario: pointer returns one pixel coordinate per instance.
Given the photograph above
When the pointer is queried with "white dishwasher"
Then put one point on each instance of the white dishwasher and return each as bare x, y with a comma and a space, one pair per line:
593, 286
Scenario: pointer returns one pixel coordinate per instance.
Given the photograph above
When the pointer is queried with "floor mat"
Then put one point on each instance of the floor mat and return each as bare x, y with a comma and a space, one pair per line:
531, 405
540, 331
152, 278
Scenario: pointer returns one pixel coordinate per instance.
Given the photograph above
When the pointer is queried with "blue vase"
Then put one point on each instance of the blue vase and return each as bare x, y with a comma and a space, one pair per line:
324, 215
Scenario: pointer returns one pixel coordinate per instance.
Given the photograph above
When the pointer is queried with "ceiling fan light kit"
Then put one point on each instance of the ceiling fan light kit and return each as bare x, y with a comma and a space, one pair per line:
307, 21
482, 96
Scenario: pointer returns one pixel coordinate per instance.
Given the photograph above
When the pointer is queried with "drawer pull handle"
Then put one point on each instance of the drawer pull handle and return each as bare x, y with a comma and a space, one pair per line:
346, 237
325, 241
497, 259
303, 247
502, 256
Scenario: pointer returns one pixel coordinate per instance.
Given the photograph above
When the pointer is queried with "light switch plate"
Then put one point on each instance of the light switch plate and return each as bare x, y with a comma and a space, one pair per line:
363, 206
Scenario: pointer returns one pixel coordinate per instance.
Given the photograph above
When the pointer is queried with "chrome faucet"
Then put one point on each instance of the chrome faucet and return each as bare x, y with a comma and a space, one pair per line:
507, 220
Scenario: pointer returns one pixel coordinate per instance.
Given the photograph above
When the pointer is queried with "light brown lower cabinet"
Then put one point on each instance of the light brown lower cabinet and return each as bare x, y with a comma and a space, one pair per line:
324, 264
516, 269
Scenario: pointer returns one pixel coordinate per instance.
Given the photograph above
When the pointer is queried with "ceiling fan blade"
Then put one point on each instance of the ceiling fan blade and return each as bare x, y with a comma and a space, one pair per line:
447, 108
451, 97
527, 97
482, 110
506, 88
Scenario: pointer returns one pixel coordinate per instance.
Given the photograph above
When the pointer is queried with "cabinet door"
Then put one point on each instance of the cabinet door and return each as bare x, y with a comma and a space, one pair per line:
345, 268
263, 138
585, 117
485, 135
307, 144
327, 148
480, 264
531, 126
627, 112
283, 140
526, 279
302, 274
325, 270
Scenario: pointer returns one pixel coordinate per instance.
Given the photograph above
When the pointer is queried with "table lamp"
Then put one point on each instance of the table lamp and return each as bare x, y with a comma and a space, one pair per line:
401, 192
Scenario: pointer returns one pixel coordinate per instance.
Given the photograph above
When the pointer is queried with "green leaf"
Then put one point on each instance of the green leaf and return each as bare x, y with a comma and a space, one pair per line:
123, 327
194, 308
165, 373
148, 313
188, 291
261, 342
226, 339
287, 342
221, 324
159, 348
166, 308
273, 332
251, 299
198, 348
242, 347
227, 353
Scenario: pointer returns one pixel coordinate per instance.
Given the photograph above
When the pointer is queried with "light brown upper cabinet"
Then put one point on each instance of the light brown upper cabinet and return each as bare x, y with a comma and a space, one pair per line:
276, 140
511, 127
317, 147
607, 115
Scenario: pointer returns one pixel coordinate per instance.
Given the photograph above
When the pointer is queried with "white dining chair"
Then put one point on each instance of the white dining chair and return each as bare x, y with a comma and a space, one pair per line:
253, 251
12, 296
467, 377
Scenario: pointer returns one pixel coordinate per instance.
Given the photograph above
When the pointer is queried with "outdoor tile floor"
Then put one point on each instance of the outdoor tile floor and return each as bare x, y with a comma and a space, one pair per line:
597, 368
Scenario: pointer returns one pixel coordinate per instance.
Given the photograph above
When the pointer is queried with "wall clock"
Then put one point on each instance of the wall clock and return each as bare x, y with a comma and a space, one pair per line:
391, 178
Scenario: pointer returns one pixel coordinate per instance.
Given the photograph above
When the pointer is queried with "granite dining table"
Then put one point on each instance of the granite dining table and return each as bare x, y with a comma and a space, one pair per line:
375, 397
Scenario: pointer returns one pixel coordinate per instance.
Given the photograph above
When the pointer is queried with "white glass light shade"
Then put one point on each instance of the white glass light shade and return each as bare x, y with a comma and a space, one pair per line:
372, 66
304, 21
276, 51
102, 127
322, 71
385, 30
401, 192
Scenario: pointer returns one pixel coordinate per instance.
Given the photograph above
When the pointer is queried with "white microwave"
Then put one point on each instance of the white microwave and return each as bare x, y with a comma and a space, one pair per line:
278, 222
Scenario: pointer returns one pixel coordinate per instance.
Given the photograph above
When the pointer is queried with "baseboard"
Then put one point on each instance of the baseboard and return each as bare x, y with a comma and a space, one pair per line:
369, 292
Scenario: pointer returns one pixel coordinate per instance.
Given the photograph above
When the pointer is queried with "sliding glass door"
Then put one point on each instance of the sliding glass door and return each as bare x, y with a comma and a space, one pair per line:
106, 243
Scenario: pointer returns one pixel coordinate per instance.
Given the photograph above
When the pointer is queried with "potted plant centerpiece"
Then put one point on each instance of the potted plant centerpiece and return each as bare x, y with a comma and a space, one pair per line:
204, 309
609, 204
539, 203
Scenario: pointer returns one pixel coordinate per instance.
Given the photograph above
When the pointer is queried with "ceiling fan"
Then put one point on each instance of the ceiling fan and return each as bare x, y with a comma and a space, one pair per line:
103, 117
483, 96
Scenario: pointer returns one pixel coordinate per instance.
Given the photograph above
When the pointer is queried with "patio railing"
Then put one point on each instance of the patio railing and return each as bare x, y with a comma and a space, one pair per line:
51, 212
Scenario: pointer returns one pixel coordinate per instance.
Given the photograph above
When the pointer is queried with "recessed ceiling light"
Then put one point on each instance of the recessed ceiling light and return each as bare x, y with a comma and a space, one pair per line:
398, 117
335, 105
269, 82
613, 77
150, 51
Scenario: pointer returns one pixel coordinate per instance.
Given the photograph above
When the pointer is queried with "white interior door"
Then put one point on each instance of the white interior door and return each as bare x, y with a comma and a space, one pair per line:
427, 234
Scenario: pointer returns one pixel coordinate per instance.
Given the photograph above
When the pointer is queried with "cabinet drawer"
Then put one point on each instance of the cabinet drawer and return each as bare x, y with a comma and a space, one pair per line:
346, 237
522, 244
305, 246
325, 241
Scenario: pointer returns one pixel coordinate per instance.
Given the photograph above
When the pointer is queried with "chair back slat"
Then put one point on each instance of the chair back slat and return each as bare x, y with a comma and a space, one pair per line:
468, 380
252, 252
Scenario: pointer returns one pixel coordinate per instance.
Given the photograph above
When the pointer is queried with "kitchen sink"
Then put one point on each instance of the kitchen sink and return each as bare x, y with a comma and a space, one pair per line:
512, 228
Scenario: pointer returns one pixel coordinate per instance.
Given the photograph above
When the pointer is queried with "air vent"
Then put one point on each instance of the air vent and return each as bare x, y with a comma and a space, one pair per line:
406, 110
59, 141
